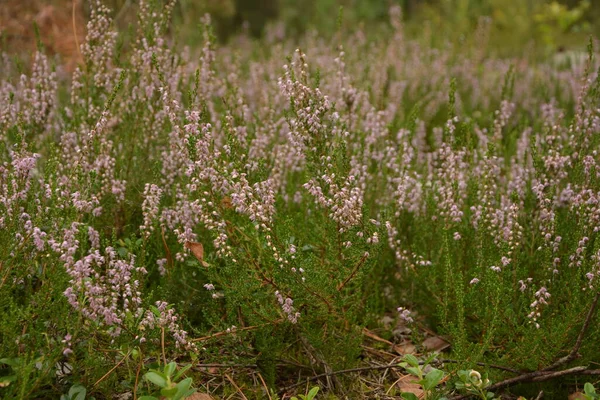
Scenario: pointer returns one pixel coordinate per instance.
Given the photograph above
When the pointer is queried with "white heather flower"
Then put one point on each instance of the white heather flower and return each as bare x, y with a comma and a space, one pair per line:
474, 281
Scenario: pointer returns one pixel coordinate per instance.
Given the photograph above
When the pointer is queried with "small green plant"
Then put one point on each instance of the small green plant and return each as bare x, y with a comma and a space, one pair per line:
428, 380
167, 381
471, 382
589, 392
310, 396
76, 392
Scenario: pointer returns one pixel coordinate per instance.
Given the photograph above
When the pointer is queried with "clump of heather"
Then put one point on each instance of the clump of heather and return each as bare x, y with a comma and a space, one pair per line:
241, 203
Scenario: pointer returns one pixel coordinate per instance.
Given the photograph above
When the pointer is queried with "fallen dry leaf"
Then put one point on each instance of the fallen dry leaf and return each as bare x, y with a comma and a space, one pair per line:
226, 203
373, 336
435, 343
197, 250
408, 384
405, 347
577, 396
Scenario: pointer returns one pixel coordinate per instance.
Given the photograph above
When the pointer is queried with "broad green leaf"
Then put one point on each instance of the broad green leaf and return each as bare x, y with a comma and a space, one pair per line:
157, 378
313, 393
589, 389
433, 378
182, 388
412, 360
169, 392
170, 368
77, 392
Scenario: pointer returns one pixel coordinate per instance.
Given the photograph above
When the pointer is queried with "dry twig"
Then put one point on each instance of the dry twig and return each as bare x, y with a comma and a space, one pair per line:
548, 373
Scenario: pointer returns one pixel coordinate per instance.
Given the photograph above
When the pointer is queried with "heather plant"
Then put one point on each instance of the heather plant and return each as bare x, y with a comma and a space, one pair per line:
254, 204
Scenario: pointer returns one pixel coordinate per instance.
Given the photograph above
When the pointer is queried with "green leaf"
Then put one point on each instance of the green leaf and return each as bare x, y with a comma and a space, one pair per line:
157, 378
182, 371
412, 360
312, 393
183, 389
414, 371
409, 396
155, 311
13, 362
184, 385
588, 388
433, 378
169, 392
147, 398
122, 251
77, 392
170, 368
463, 374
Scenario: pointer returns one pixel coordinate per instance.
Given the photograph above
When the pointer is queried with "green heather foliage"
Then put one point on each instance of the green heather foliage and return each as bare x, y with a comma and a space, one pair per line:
265, 201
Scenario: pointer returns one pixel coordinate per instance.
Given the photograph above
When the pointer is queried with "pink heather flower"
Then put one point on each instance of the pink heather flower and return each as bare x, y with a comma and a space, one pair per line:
287, 305
168, 320
67, 342
162, 262
404, 315
474, 281
522, 286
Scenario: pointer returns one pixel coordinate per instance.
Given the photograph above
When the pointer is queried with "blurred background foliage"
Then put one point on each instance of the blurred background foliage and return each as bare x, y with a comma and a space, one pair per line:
512, 26
547, 24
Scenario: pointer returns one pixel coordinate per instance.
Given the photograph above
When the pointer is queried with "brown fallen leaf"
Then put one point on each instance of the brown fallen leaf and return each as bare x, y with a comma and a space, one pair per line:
199, 396
375, 337
197, 250
226, 203
435, 343
577, 396
408, 384
405, 347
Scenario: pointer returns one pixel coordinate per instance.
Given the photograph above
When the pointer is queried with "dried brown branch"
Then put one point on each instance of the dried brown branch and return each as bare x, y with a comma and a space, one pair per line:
112, 369
236, 387
495, 366
575, 351
340, 372
169, 256
548, 373
353, 273
230, 332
